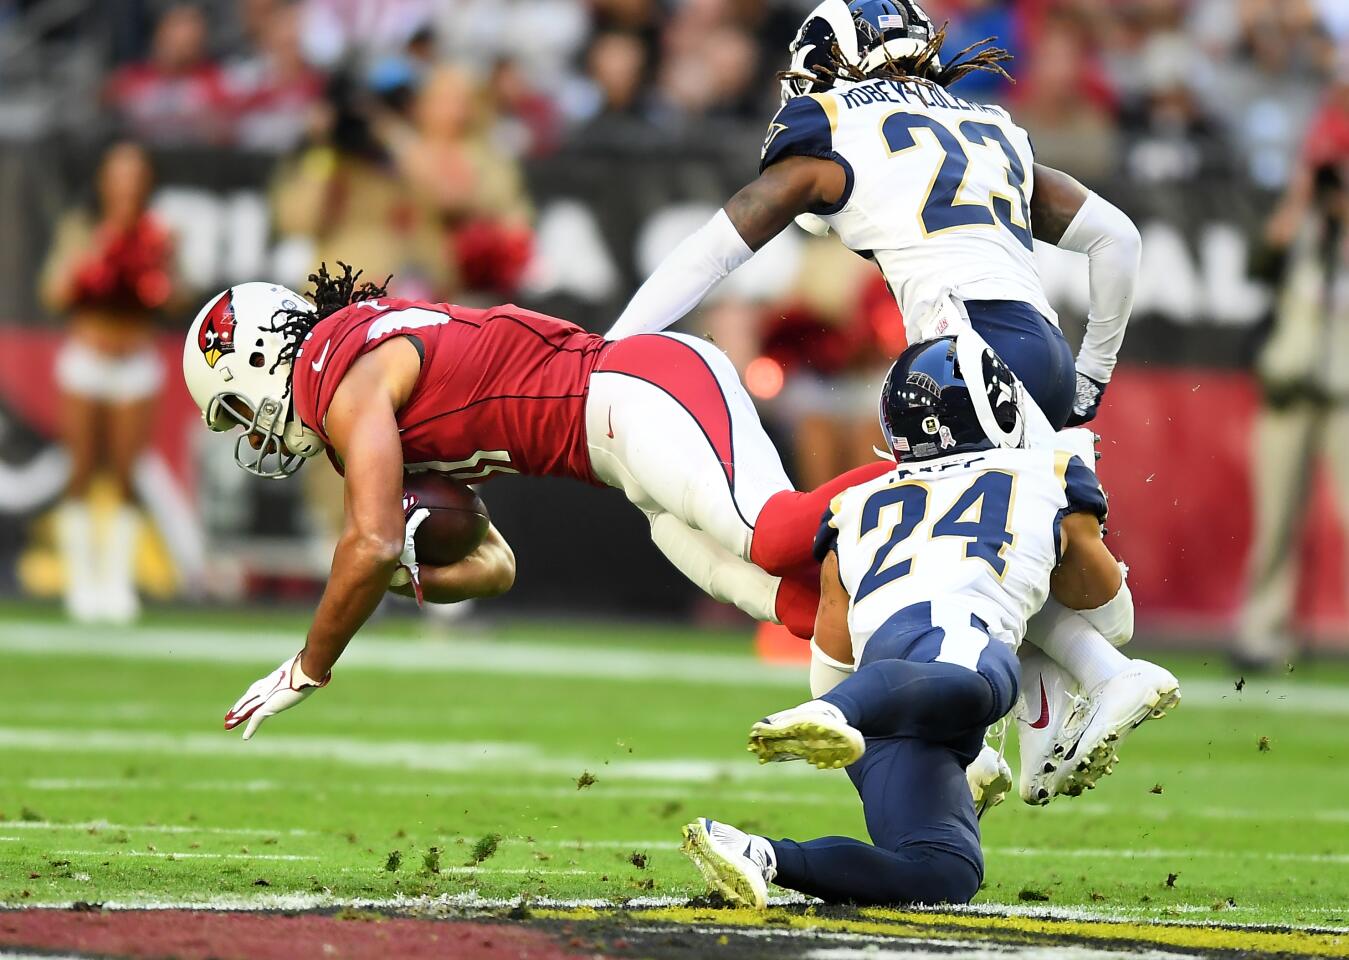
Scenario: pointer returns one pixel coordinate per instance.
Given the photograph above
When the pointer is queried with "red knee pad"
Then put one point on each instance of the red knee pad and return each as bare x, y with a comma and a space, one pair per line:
784, 532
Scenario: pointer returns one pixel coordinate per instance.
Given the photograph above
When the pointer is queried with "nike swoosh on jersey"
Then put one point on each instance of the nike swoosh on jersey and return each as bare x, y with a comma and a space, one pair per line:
1044, 709
318, 364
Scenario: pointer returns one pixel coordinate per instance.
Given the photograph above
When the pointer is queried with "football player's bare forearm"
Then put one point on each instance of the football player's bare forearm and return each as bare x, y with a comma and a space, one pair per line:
1088, 576
797, 185
362, 566
832, 635
489, 571
364, 433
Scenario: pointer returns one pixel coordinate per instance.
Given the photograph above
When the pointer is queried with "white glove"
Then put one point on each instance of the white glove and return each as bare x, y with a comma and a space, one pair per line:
408, 571
280, 690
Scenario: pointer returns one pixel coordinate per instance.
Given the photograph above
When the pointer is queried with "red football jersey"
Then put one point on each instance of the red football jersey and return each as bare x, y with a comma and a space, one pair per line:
502, 390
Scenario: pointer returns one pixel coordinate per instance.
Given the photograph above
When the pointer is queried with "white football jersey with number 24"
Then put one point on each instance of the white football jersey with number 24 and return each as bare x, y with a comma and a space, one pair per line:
938, 191
971, 535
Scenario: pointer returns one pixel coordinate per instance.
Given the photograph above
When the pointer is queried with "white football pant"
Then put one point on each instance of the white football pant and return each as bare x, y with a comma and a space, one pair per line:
669, 423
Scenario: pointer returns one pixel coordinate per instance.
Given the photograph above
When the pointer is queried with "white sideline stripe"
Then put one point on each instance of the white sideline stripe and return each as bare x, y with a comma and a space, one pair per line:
471, 900
1104, 853
88, 825
109, 854
374, 651
445, 756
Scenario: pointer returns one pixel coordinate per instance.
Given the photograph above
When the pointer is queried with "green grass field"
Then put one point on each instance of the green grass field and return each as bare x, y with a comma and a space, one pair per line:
447, 762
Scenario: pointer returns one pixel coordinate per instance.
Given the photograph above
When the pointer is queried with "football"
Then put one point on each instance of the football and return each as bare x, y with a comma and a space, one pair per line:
458, 519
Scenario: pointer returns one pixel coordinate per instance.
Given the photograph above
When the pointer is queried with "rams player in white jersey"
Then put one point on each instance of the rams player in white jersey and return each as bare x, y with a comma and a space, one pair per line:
929, 576
945, 196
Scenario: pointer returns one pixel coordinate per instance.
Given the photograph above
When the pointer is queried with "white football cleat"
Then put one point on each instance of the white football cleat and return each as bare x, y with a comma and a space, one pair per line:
1049, 698
1084, 745
1142, 691
735, 864
990, 779
815, 731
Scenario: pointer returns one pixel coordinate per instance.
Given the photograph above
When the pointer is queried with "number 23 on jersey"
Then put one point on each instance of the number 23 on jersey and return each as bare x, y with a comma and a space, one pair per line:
943, 209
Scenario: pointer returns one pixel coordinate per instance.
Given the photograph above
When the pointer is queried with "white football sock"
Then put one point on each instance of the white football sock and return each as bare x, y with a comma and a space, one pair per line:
75, 540
718, 572
1074, 644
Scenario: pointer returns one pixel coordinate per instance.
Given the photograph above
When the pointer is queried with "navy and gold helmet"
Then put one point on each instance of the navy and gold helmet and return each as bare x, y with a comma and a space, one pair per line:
951, 395
867, 32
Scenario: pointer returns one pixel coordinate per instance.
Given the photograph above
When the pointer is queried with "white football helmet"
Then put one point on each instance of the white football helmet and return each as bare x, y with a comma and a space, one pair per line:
234, 371
868, 34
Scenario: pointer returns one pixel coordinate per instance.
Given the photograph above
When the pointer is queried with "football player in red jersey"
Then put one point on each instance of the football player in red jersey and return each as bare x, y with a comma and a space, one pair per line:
383, 385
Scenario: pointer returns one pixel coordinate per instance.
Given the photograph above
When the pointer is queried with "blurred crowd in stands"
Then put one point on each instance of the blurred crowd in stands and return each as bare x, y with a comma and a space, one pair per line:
1168, 89
401, 136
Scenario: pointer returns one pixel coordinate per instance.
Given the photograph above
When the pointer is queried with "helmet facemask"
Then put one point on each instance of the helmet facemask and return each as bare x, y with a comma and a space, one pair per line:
272, 444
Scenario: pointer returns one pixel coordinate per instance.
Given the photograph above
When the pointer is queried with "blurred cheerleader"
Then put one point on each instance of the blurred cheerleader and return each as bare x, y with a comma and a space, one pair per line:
109, 271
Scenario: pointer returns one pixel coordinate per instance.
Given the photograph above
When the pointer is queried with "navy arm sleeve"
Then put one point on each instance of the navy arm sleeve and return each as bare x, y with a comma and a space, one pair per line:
802, 129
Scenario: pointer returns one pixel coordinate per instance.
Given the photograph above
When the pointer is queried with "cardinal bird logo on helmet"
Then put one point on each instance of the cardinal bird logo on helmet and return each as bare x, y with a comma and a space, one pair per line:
216, 337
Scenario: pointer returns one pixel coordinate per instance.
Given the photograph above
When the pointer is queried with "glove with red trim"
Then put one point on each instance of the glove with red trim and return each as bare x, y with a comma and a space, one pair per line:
280, 690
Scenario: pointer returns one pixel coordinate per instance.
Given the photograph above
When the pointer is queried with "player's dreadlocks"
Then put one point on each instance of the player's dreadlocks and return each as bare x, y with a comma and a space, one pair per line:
924, 65
330, 295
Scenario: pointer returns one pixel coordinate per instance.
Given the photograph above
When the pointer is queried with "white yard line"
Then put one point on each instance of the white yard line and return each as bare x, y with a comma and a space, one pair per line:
605, 791
373, 651
602, 791
402, 655
581, 845
98, 825
577, 844
110, 853
449, 755
1105, 853
517, 871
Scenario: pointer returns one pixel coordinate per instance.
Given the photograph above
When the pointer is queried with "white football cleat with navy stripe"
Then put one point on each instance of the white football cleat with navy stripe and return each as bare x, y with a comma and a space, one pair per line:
1142, 691
1071, 741
816, 732
735, 864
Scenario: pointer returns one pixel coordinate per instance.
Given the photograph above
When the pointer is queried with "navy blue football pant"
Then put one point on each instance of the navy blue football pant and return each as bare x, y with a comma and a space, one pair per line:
924, 722
1034, 348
